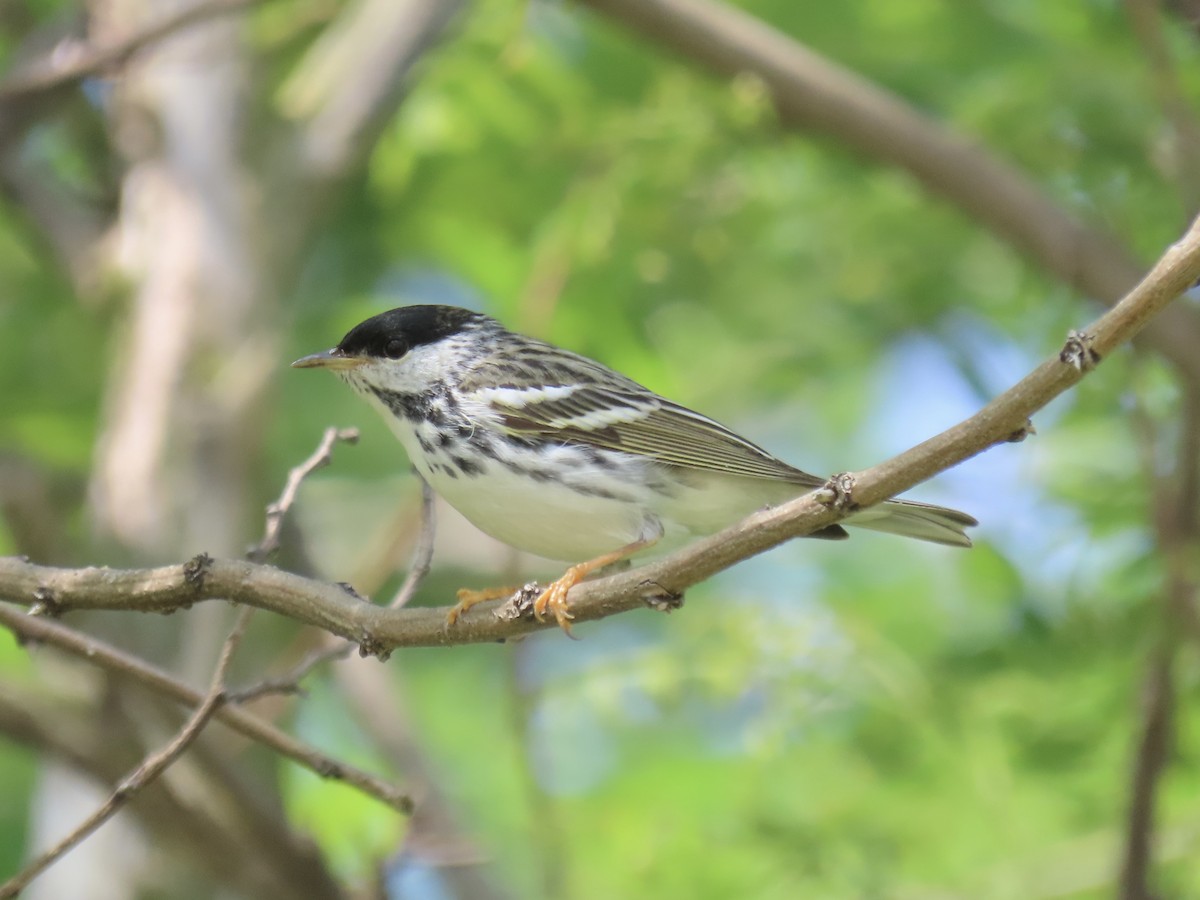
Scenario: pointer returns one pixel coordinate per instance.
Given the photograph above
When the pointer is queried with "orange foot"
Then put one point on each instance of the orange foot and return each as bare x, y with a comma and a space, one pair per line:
468, 598
554, 597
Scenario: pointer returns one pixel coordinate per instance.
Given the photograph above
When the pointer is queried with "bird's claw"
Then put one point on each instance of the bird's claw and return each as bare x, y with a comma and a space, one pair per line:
554, 600
468, 598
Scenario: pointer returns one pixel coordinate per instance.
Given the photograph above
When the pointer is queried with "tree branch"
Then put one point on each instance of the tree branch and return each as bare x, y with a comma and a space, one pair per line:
331, 648
70, 63
277, 511
377, 630
104, 656
812, 92
151, 768
422, 558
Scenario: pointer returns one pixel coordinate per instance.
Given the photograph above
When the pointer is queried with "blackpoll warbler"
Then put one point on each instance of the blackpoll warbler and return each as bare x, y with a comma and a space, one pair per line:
558, 455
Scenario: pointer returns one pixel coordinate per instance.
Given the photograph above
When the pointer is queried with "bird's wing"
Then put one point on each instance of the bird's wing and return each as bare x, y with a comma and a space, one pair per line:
598, 407
541, 391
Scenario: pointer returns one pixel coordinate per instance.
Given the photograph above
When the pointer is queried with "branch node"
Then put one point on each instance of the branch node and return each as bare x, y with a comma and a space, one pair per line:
659, 598
372, 646
45, 603
520, 604
838, 492
278, 509
268, 687
195, 568
1078, 351
349, 589
1026, 430
328, 768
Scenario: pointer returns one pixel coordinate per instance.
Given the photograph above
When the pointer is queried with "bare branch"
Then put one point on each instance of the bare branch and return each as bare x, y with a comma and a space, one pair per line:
70, 63
378, 630
335, 648
277, 511
104, 656
423, 552
812, 92
331, 650
150, 769
71, 224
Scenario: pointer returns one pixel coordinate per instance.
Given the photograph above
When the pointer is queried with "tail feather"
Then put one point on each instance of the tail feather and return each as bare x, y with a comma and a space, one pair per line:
923, 521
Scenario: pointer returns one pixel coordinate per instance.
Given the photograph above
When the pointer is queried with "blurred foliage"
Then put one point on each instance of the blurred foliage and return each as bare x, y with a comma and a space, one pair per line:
868, 719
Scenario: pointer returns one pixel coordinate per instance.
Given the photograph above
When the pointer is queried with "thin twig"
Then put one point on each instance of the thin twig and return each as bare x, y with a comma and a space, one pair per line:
332, 648
150, 769
36, 630
212, 703
264, 549
422, 558
70, 63
277, 511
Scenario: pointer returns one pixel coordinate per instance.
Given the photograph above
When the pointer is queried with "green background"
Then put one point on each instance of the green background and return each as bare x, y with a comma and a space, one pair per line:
869, 719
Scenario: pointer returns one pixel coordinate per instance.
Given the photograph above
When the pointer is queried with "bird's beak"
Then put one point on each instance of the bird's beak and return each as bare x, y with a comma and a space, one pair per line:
329, 359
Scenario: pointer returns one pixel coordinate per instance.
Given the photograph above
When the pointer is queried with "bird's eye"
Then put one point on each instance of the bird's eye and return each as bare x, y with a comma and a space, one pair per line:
395, 348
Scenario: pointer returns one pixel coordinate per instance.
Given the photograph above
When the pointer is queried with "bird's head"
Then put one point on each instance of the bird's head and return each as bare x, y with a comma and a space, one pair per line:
404, 350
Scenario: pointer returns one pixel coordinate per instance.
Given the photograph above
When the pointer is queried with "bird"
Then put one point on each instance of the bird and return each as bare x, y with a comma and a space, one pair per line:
561, 456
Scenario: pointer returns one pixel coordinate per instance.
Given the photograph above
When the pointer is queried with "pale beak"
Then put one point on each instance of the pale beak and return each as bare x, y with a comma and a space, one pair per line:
329, 359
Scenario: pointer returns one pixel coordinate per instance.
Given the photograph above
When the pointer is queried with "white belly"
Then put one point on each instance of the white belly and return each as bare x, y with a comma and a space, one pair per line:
543, 516
572, 503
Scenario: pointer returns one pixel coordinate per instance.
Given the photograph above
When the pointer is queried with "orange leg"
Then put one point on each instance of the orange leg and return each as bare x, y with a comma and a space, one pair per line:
468, 598
554, 597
